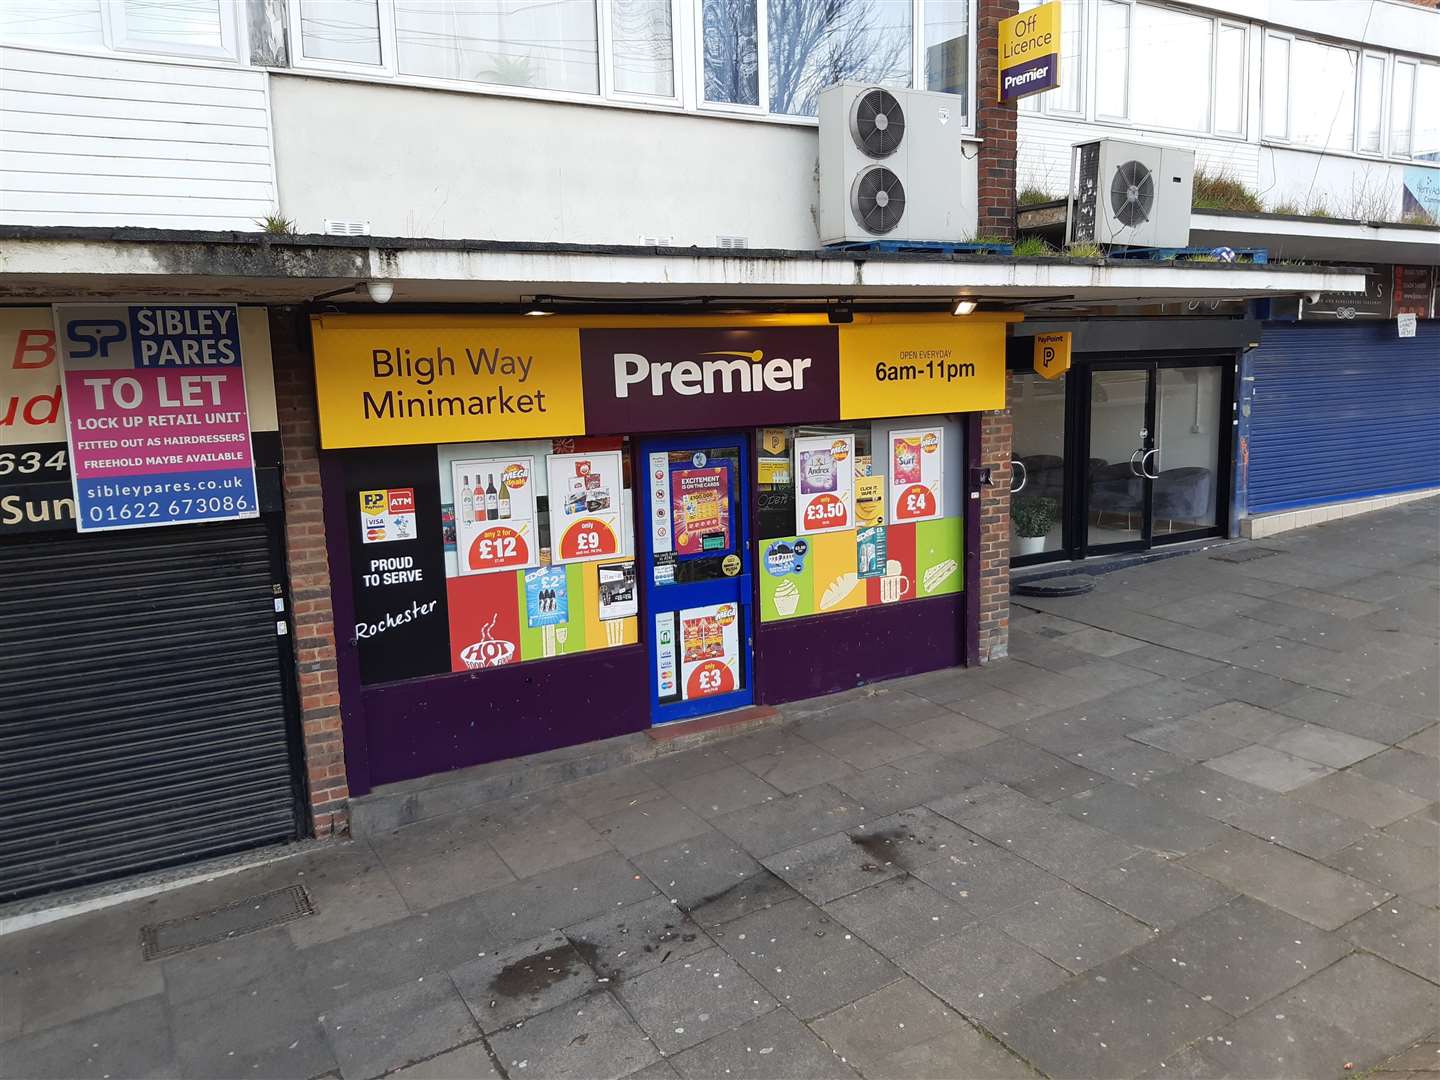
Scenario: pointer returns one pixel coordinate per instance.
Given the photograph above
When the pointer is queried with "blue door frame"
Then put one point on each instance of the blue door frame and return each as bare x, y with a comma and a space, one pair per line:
666, 599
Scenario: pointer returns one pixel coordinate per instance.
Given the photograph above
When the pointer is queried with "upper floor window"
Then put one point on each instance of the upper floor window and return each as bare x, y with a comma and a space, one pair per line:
758, 56
1322, 92
202, 28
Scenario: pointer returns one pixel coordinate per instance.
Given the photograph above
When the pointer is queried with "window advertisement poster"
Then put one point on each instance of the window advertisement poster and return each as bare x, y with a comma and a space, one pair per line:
825, 482
700, 508
585, 501
709, 651
870, 552
494, 507
618, 599
156, 415
387, 515
547, 599
1414, 290
917, 474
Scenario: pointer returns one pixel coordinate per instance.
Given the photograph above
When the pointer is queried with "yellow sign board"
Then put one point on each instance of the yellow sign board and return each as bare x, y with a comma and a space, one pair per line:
911, 369
1029, 60
1052, 354
399, 380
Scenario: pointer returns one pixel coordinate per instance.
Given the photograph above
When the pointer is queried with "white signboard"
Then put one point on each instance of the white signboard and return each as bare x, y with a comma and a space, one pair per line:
1406, 324
494, 501
586, 495
916, 473
658, 477
824, 483
709, 651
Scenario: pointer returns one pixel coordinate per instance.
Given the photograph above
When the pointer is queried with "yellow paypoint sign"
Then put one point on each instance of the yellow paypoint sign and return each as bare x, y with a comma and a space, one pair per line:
1029, 52
1052, 354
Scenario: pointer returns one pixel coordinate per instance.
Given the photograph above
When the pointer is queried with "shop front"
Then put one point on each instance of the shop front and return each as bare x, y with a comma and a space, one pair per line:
549, 531
1132, 446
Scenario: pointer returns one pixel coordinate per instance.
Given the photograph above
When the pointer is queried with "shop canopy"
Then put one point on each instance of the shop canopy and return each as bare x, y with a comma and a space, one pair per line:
50, 264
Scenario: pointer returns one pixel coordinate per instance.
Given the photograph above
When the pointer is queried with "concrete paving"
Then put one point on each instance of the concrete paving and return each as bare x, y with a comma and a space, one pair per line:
1190, 828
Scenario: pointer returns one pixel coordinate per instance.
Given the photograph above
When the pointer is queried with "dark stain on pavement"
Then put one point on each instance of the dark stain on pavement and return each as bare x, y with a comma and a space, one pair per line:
881, 846
532, 975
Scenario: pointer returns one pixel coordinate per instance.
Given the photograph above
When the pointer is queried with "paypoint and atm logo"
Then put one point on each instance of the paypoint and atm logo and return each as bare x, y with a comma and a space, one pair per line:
1030, 52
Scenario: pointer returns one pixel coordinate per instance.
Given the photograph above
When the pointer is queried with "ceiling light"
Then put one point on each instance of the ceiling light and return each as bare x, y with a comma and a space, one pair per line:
966, 307
537, 311
380, 291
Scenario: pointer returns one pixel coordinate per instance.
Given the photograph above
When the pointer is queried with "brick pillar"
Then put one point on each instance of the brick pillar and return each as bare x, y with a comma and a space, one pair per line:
309, 577
996, 442
995, 124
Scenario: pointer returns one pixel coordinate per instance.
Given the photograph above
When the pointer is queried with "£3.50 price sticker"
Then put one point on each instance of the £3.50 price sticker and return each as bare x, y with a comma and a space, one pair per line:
826, 512
498, 547
589, 538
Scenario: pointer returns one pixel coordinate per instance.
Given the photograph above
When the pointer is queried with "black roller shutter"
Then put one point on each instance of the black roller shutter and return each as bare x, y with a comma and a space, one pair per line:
146, 718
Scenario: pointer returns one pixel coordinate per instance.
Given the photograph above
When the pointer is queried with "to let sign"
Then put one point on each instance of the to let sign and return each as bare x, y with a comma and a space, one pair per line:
1030, 52
156, 414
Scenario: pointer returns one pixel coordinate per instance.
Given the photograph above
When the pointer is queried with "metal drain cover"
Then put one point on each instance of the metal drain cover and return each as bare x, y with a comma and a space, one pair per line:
1249, 554
242, 917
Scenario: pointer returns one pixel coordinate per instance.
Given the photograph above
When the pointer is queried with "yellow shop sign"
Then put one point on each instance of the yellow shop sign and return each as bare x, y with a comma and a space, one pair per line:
1029, 52
915, 368
1052, 354
388, 381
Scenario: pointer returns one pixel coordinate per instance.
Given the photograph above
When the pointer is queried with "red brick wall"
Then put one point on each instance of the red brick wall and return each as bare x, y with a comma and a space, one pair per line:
996, 441
996, 126
309, 578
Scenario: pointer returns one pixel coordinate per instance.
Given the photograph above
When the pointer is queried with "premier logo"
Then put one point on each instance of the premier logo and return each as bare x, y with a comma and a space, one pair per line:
731, 372
1036, 74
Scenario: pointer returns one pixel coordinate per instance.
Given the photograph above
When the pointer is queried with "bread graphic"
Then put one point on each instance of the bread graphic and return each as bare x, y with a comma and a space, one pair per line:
936, 575
838, 590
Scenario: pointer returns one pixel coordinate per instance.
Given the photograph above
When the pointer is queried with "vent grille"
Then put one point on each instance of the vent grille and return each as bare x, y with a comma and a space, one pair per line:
341, 227
1132, 193
878, 200
877, 123
732, 241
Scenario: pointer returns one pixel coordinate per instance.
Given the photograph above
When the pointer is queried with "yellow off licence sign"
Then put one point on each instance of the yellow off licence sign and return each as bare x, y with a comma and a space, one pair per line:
1030, 52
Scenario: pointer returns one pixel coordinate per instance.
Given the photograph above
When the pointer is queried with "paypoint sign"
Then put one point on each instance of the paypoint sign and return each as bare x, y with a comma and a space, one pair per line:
1030, 52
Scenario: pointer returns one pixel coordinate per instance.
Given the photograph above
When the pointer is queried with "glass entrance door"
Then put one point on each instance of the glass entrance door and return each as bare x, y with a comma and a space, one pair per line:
696, 561
1157, 450
1117, 491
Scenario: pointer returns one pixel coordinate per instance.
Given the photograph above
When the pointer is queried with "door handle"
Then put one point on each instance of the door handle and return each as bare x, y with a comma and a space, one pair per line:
1144, 471
1016, 463
1134, 467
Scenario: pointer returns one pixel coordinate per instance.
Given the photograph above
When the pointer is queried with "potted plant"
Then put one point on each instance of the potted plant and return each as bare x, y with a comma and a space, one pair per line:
1032, 517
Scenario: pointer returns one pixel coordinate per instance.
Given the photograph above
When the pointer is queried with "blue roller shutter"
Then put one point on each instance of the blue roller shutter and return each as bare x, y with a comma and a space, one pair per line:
1342, 412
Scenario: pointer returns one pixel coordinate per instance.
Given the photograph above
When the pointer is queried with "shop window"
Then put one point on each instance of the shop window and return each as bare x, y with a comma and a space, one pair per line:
947, 47
1275, 87
1372, 103
1402, 101
1037, 497
340, 31
732, 52
642, 48
813, 45
204, 28
1113, 60
1323, 78
1174, 42
549, 46
468, 556
858, 515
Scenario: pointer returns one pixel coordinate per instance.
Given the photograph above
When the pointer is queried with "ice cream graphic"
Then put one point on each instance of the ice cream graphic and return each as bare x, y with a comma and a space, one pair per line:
787, 598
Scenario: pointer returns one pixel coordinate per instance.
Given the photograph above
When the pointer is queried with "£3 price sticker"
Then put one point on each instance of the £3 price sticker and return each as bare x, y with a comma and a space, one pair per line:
588, 538
710, 678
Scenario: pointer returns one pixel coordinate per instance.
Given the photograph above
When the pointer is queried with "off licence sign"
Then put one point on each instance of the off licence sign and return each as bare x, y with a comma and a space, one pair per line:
1030, 52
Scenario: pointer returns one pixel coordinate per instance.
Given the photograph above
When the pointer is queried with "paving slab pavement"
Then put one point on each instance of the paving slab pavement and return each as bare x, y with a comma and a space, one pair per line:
1190, 828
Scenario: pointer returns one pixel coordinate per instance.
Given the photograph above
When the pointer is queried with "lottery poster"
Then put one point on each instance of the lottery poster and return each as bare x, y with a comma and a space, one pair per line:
700, 509
916, 468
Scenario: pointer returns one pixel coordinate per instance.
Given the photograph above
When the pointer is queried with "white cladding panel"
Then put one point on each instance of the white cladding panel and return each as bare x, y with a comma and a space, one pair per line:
93, 140
429, 163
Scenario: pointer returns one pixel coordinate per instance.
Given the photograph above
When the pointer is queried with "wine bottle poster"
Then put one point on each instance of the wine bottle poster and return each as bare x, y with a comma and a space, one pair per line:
494, 506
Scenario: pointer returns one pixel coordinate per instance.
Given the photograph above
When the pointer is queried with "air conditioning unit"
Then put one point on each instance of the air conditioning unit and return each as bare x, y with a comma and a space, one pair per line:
891, 166
1135, 194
